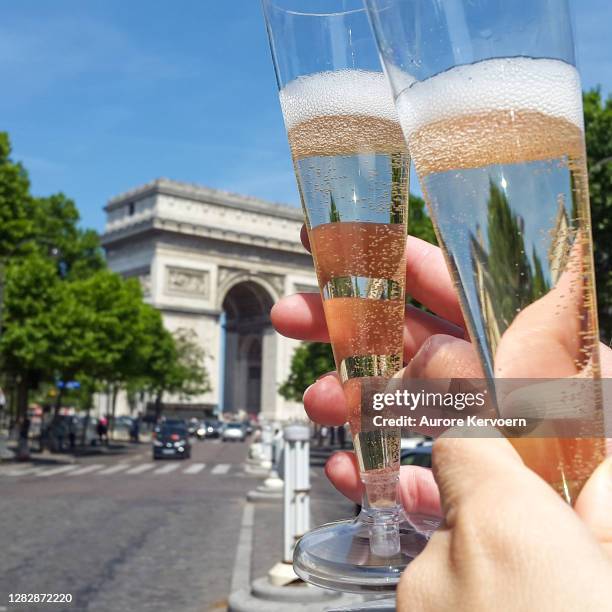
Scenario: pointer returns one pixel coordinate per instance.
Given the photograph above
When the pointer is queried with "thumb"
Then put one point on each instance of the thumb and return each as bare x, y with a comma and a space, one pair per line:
594, 504
462, 465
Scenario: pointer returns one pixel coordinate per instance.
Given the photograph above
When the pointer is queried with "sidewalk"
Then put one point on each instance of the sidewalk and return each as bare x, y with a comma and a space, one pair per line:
263, 548
46, 457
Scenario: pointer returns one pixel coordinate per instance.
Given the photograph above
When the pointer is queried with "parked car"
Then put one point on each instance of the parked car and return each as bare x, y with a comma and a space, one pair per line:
56, 434
248, 427
124, 422
233, 432
419, 455
200, 430
193, 426
171, 440
213, 428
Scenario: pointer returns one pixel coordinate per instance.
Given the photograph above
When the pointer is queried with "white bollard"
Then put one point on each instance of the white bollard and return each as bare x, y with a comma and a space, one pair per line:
296, 474
267, 437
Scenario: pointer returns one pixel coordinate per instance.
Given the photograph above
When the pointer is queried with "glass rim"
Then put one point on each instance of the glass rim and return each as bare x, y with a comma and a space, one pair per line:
306, 14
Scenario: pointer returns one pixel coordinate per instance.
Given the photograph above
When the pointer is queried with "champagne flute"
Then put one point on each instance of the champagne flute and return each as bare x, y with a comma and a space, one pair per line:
489, 100
352, 170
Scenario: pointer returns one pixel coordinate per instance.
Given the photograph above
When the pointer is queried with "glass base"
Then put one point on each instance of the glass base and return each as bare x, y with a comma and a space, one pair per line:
338, 555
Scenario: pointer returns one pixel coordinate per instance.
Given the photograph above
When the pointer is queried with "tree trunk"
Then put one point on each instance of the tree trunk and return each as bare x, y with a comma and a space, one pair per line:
158, 406
58, 402
23, 449
88, 398
113, 409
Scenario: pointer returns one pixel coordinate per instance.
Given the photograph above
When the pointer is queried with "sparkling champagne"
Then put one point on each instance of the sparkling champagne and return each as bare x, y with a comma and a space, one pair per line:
352, 166
503, 171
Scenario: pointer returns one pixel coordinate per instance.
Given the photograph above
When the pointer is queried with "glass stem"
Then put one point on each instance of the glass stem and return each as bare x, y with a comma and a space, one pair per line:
381, 511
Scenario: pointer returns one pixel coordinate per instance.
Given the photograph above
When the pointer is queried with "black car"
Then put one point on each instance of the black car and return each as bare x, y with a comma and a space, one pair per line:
213, 429
170, 440
419, 455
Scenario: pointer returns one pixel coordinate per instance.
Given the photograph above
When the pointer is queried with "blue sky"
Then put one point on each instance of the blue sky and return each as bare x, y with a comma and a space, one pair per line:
103, 95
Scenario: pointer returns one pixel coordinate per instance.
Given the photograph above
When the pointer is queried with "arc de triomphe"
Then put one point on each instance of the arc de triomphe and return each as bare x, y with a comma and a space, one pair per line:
214, 263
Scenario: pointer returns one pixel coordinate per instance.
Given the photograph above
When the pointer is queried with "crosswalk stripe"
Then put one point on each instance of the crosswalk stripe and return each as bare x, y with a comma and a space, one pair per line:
139, 469
113, 469
87, 469
222, 468
57, 470
22, 471
167, 468
194, 468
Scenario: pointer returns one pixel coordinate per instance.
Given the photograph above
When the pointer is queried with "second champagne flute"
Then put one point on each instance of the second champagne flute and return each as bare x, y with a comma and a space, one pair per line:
352, 169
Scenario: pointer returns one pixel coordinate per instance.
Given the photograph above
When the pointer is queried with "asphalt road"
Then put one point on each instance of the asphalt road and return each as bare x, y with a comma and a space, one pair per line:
125, 533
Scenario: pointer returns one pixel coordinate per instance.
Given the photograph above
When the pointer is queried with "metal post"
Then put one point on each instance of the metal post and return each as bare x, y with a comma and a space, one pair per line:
297, 486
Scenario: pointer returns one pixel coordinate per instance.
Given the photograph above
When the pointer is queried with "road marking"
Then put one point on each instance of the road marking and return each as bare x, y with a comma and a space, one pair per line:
87, 469
114, 469
139, 469
221, 468
57, 470
195, 468
167, 468
22, 471
241, 574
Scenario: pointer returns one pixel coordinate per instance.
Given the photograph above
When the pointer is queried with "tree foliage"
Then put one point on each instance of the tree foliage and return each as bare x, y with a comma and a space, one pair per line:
65, 316
310, 360
598, 129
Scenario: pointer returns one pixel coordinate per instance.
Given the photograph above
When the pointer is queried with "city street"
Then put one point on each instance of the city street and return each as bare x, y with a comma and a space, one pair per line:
123, 532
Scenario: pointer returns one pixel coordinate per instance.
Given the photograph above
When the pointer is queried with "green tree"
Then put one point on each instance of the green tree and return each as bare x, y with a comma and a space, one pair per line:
96, 321
598, 130
419, 223
77, 252
310, 360
15, 202
27, 339
173, 363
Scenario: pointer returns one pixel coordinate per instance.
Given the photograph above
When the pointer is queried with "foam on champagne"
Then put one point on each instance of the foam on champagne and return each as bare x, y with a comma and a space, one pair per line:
340, 92
547, 86
340, 112
498, 111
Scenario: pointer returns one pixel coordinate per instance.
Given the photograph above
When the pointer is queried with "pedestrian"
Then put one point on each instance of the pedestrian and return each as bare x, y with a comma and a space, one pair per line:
102, 430
72, 433
135, 430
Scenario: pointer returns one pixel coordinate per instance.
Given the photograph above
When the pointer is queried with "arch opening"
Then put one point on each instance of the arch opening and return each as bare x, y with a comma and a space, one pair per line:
247, 316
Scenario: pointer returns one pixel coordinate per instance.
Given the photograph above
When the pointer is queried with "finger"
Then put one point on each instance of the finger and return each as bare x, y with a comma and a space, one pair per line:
420, 325
428, 280
343, 472
300, 316
418, 490
304, 238
605, 355
594, 504
325, 402
444, 356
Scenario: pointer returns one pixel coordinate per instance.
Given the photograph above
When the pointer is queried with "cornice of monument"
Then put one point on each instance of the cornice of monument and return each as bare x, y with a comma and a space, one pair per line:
207, 195
172, 226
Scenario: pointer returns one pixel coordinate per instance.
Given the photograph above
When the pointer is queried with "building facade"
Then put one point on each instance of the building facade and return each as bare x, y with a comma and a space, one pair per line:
214, 263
